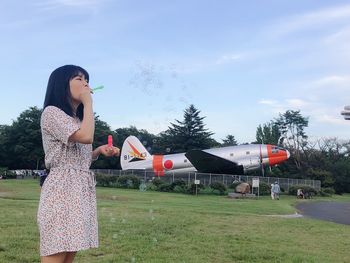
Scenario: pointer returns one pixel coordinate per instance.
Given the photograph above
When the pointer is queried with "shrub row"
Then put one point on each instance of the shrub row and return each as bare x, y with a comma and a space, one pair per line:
124, 181
181, 186
6, 174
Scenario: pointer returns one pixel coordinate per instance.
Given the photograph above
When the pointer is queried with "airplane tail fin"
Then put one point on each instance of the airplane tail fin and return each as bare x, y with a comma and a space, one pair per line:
134, 155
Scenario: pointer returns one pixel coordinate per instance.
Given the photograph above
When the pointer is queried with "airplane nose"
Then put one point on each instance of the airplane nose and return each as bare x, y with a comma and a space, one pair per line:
288, 154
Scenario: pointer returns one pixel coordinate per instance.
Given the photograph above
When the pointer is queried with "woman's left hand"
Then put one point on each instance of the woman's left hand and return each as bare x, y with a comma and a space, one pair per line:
109, 151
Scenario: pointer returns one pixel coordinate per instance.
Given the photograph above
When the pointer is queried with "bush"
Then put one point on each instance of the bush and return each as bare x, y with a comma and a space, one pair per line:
105, 180
264, 189
307, 190
157, 182
151, 187
327, 191
128, 181
180, 189
179, 186
180, 183
6, 174
192, 188
165, 187
220, 187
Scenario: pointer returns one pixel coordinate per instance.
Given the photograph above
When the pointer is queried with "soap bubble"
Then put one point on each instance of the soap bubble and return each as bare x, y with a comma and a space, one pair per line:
114, 197
154, 240
115, 236
133, 260
123, 221
112, 220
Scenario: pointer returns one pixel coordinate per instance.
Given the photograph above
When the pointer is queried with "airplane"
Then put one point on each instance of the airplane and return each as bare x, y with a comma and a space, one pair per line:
346, 113
225, 160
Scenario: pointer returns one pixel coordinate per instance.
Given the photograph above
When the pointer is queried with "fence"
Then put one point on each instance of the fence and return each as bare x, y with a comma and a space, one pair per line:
207, 178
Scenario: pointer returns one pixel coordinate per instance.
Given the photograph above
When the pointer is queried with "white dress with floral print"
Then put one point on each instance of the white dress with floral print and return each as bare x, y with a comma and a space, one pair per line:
67, 215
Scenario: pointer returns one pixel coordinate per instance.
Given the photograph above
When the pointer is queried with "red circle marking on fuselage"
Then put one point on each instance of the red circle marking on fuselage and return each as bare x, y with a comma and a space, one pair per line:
168, 164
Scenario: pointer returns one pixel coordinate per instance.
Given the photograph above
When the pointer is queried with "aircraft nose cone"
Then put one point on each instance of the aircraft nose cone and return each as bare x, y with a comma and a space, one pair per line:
288, 154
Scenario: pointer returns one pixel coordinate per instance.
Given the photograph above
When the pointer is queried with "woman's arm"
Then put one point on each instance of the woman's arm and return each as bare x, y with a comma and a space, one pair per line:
95, 154
105, 150
86, 132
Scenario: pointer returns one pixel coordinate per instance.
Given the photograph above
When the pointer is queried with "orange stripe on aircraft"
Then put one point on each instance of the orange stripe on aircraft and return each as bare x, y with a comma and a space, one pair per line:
158, 165
276, 157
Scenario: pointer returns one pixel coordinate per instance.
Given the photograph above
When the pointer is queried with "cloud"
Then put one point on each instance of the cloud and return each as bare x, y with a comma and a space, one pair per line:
286, 104
228, 58
267, 102
331, 119
338, 14
332, 82
296, 103
54, 4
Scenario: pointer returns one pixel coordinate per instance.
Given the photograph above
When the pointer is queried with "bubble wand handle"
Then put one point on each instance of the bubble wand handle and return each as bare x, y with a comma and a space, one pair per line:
110, 141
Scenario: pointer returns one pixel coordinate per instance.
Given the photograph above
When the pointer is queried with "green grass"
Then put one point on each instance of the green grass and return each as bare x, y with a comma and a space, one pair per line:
163, 227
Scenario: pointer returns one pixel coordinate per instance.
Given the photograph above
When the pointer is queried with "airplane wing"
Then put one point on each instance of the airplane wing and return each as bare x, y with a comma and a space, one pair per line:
208, 163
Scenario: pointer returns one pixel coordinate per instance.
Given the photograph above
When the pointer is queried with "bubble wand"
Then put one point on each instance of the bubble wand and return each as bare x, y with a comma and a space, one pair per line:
97, 88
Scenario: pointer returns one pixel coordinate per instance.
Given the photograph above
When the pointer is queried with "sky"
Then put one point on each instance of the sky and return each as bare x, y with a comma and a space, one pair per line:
241, 63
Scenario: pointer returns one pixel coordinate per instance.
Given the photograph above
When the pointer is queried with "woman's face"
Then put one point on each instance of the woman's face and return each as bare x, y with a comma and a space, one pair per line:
77, 85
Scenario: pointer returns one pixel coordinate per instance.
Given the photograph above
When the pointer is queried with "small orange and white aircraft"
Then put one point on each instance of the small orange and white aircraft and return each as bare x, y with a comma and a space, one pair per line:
225, 160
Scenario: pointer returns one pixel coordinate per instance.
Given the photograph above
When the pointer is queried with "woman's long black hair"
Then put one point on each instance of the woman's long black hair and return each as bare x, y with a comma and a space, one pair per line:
58, 91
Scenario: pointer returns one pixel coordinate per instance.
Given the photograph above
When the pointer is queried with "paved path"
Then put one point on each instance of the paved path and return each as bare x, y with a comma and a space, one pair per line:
330, 211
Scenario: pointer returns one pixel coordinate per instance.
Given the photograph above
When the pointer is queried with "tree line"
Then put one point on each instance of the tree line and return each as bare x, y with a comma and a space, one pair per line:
325, 159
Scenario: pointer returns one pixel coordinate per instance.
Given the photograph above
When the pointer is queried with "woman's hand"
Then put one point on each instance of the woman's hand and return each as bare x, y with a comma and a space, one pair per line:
109, 151
85, 97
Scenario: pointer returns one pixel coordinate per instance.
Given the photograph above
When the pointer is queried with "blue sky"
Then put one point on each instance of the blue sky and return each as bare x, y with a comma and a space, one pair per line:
239, 62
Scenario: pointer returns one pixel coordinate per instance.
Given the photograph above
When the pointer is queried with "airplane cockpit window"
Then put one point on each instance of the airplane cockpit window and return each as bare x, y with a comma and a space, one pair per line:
248, 152
185, 161
276, 149
231, 154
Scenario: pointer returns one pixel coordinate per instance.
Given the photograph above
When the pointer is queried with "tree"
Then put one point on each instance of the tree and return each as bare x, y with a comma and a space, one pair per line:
188, 134
229, 141
291, 125
21, 142
268, 133
102, 130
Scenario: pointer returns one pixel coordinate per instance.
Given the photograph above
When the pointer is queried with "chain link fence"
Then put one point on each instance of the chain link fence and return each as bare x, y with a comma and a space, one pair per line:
207, 178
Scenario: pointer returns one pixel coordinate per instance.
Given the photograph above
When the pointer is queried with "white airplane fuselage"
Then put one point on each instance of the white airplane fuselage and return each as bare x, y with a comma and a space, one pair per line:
250, 157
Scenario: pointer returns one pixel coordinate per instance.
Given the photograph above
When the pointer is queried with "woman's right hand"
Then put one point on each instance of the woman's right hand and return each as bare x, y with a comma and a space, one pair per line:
85, 97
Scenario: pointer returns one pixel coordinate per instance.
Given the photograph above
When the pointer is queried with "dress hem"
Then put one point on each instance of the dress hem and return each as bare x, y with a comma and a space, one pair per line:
66, 250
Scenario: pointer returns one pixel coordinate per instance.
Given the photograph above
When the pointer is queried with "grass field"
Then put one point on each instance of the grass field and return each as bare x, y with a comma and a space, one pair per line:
162, 227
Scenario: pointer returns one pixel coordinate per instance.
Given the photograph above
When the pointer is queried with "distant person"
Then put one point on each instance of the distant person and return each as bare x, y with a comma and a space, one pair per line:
276, 191
272, 196
300, 194
67, 216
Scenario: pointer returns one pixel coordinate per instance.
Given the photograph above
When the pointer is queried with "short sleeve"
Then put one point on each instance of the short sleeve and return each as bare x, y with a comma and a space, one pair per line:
57, 123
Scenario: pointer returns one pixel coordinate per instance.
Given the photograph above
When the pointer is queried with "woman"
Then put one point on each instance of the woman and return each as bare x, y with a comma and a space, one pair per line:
67, 215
